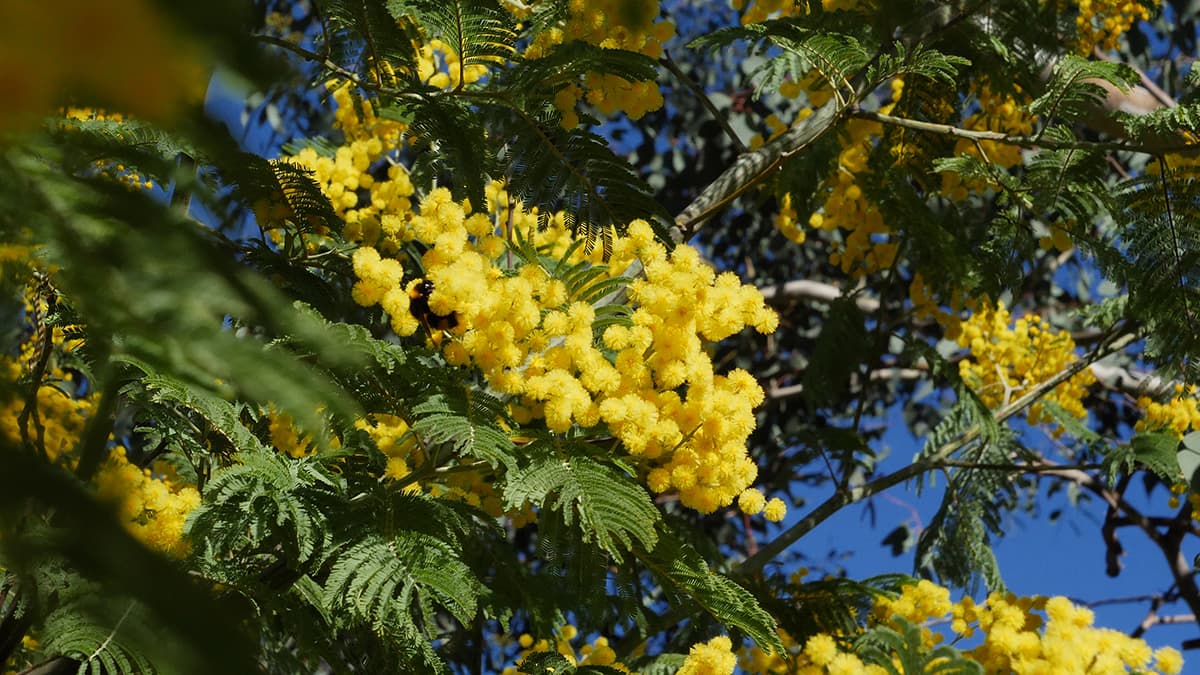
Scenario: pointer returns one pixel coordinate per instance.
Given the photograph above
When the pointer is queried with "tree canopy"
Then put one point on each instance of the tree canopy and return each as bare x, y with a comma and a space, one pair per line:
535, 337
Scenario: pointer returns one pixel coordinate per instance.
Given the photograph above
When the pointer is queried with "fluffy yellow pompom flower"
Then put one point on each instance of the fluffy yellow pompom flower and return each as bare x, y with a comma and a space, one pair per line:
775, 510
821, 649
751, 502
714, 657
1168, 660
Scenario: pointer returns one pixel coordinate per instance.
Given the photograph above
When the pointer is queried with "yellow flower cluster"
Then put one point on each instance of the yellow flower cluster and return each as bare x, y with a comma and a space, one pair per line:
61, 413
1058, 239
532, 341
1016, 638
650, 380
866, 248
1002, 113
785, 220
821, 654
915, 604
392, 437
1031, 636
714, 657
926, 306
595, 653
632, 25
287, 437
279, 24
1006, 362
368, 140
150, 508
752, 502
1179, 415
439, 66
1101, 23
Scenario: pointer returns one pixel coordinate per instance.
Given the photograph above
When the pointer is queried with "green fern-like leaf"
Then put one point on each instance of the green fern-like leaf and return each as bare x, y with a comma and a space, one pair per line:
1167, 125
574, 171
103, 237
268, 502
687, 578
835, 57
369, 29
833, 606
451, 133
612, 509
467, 421
223, 417
956, 545
381, 581
1072, 91
662, 664
140, 146
1070, 182
479, 31
1158, 258
550, 663
843, 344
920, 62
1156, 451
541, 78
578, 568
282, 185
100, 647
904, 651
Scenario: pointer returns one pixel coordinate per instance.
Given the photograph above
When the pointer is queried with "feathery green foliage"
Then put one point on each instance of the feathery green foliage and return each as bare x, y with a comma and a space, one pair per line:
686, 577
478, 31
612, 510
883, 646
1072, 90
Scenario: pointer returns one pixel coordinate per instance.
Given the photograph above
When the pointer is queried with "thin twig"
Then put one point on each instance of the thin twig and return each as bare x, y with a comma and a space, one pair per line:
1019, 141
754, 564
104, 645
705, 101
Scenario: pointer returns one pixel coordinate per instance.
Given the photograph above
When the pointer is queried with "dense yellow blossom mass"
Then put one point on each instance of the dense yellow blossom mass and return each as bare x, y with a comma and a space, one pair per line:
1010, 634
632, 25
1009, 358
151, 507
647, 376
1101, 23
715, 657
1179, 415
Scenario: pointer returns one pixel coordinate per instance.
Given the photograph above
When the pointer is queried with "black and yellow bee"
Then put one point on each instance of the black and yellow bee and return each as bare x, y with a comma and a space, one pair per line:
418, 304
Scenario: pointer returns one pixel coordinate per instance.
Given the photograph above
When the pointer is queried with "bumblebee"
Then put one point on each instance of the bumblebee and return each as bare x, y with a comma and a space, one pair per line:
418, 304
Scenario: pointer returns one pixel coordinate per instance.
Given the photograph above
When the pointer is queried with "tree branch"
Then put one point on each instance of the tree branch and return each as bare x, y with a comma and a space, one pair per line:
1019, 141
752, 167
842, 498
